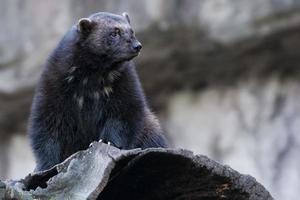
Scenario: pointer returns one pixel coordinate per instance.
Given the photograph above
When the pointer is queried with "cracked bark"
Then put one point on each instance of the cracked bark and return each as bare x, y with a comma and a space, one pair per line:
105, 172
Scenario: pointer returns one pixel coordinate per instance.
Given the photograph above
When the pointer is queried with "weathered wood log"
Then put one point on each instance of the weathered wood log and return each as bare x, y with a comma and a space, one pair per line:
105, 172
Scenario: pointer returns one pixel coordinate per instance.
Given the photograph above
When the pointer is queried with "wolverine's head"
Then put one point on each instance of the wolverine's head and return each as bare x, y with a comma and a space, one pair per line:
109, 35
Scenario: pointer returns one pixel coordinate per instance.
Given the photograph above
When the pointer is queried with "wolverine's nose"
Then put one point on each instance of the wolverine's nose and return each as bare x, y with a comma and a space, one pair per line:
137, 46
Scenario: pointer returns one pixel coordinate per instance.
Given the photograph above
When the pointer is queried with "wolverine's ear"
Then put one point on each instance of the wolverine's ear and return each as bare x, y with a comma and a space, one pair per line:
125, 14
85, 25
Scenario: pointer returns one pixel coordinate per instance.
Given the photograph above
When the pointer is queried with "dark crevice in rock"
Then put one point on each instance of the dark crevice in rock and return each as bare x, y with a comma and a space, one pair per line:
161, 176
121, 166
39, 180
189, 60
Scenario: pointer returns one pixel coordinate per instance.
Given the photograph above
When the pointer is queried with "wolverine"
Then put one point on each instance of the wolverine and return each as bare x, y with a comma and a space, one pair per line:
89, 90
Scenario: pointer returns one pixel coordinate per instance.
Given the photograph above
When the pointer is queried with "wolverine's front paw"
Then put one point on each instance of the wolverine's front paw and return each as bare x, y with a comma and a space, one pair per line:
92, 144
100, 141
105, 141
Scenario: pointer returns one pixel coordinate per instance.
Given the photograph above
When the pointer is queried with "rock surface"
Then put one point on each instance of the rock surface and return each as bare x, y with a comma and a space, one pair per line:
105, 172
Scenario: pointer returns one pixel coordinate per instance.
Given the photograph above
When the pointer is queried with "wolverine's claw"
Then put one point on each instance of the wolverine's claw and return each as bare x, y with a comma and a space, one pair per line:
108, 146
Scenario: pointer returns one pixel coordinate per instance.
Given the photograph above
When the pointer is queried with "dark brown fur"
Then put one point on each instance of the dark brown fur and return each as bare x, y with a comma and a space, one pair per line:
89, 90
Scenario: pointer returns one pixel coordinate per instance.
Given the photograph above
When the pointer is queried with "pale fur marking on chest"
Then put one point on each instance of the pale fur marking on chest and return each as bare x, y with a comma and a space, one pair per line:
85, 80
107, 90
96, 95
70, 78
80, 102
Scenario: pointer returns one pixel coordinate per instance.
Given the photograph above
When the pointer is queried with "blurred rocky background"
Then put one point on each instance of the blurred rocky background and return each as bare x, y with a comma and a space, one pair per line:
223, 76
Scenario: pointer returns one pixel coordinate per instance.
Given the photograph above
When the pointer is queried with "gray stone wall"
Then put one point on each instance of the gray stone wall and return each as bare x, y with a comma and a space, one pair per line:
253, 127
223, 75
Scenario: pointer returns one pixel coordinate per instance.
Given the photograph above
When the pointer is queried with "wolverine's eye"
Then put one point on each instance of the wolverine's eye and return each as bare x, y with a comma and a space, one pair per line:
115, 33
